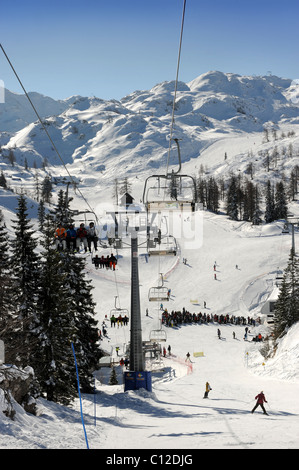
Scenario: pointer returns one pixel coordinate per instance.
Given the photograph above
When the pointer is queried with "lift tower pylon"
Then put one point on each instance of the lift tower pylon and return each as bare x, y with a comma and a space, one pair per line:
137, 377
136, 354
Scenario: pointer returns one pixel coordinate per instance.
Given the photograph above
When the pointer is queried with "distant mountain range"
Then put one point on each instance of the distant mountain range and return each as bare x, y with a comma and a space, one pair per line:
133, 133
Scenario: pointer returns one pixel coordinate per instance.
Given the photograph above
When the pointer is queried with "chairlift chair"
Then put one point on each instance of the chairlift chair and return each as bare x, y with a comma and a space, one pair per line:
167, 246
171, 192
83, 217
158, 294
118, 311
157, 336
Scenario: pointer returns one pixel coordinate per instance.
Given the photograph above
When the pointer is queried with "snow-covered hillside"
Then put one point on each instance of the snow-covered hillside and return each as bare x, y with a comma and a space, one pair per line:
101, 140
94, 135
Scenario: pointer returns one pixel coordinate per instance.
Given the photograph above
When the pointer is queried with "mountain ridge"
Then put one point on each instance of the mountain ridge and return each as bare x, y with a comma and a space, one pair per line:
133, 134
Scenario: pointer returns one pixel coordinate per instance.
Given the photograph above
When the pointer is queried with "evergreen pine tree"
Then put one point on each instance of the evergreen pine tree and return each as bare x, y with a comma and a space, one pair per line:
47, 189
232, 199
53, 359
86, 339
256, 220
201, 190
3, 182
293, 183
125, 186
6, 306
249, 201
270, 207
281, 207
41, 215
212, 195
61, 211
113, 377
287, 306
25, 284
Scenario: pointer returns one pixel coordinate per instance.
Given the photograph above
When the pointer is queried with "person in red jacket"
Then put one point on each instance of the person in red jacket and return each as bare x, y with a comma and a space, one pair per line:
81, 237
261, 399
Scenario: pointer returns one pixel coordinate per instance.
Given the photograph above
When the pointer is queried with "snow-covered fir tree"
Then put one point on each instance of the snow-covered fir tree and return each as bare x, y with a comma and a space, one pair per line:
249, 201
257, 219
46, 191
61, 211
86, 337
270, 205
25, 284
41, 215
281, 207
53, 360
287, 306
6, 305
113, 377
232, 199
212, 194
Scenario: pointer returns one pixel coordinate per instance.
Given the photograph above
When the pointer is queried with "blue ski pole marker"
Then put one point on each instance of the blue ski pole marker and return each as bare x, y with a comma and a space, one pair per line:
82, 419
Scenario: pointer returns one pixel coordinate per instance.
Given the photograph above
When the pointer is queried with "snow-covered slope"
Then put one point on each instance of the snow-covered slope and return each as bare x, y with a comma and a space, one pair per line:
101, 140
175, 415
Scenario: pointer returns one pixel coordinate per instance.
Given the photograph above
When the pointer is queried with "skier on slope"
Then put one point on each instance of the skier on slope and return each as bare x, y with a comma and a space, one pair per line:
261, 399
208, 388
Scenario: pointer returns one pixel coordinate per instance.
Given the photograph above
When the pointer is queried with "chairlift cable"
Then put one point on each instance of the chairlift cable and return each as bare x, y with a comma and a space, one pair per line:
45, 129
176, 84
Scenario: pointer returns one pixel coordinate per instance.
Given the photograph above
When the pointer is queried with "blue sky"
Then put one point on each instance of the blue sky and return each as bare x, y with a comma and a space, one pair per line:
110, 48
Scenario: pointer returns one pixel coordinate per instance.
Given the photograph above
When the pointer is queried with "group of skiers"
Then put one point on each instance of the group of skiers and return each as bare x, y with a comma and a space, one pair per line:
71, 238
175, 318
169, 350
120, 320
108, 262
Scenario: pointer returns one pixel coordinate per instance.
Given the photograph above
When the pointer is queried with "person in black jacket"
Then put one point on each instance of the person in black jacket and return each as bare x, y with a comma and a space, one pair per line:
261, 399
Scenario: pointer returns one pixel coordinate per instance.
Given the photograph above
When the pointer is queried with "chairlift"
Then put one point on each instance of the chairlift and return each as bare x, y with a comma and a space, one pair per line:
172, 192
165, 246
157, 336
116, 243
118, 311
83, 217
159, 294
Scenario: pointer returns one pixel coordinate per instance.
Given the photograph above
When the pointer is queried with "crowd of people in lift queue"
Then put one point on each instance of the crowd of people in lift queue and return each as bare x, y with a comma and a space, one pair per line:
175, 318
71, 238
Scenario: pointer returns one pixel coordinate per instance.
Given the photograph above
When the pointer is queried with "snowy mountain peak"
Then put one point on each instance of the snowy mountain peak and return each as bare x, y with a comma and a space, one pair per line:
132, 134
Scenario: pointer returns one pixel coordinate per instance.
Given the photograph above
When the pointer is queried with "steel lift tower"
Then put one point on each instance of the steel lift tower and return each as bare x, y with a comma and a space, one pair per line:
136, 377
